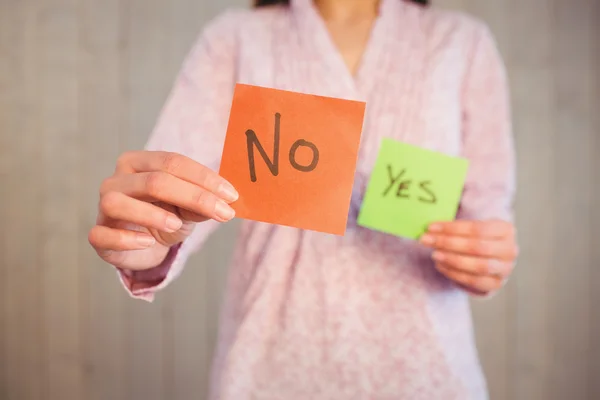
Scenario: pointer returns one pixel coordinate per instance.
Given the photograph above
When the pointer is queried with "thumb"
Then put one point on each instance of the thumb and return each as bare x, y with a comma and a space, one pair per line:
173, 238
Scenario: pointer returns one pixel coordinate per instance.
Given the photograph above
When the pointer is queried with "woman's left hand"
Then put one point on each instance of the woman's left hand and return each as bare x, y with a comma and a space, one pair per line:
477, 255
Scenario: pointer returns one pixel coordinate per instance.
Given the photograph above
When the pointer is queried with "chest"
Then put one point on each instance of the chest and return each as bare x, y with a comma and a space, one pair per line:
412, 89
350, 39
414, 99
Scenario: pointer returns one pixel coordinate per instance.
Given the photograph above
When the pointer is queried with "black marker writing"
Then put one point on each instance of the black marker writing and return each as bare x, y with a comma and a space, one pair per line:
315, 159
404, 187
273, 164
425, 187
253, 140
392, 179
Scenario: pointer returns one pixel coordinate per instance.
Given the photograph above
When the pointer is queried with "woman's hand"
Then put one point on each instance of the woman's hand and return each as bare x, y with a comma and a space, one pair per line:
152, 202
477, 255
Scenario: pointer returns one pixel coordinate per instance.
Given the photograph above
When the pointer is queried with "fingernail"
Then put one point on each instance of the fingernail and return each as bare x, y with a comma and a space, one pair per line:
145, 241
227, 192
427, 239
435, 228
437, 256
173, 224
224, 211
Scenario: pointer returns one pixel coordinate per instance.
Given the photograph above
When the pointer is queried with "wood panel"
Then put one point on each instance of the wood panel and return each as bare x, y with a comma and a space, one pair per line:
58, 133
594, 232
21, 160
102, 116
573, 35
532, 71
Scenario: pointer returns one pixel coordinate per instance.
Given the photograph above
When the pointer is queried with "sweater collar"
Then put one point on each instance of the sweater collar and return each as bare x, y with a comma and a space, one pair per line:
318, 43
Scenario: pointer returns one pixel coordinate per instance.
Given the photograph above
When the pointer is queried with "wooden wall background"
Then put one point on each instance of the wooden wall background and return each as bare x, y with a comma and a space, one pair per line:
83, 80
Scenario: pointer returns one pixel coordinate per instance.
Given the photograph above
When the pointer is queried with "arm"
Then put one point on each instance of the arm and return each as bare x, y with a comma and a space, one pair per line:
477, 251
193, 122
487, 136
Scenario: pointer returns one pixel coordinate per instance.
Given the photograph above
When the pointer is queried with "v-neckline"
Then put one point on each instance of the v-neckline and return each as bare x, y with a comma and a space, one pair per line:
322, 42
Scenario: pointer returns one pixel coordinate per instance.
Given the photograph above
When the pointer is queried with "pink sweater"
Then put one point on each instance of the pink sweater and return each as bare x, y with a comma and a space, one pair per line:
364, 316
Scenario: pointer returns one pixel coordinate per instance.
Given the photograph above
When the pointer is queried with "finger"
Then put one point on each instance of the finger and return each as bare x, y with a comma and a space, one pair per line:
499, 249
118, 206
180, 166
184, 215
485, 283
105, 239
473, 265
190, 216
487, 229
161, 186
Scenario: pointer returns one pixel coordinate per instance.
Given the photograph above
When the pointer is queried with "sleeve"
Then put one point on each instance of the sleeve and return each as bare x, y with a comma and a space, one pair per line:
488, 141
487, 135
193, 122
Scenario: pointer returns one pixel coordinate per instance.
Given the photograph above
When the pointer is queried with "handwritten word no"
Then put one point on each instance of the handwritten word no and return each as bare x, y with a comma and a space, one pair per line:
273, 165
403, 187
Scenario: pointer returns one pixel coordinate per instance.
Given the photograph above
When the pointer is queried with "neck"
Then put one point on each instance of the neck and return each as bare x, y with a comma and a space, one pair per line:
347, 10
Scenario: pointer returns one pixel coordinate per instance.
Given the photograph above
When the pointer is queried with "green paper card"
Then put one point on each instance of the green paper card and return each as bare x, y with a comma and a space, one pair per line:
410, 188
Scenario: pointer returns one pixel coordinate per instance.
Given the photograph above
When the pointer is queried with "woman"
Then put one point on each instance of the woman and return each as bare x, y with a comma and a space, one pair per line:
310, 315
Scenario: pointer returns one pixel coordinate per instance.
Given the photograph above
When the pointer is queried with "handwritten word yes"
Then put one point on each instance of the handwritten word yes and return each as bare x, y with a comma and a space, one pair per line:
403, 187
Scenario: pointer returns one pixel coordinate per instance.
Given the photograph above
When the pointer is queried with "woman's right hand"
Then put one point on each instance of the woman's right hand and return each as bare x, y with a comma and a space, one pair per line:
152, 202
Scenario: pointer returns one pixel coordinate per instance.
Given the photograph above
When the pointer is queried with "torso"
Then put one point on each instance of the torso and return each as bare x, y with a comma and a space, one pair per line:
364, 316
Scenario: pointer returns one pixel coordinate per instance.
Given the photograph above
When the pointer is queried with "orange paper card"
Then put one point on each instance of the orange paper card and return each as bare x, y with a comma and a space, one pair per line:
292, 157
